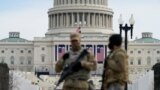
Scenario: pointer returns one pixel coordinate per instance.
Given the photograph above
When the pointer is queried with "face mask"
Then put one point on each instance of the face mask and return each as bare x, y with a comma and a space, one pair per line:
110, 46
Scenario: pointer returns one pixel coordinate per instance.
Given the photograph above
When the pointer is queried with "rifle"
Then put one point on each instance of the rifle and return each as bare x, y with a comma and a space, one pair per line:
104, 71
103, 75
70, 69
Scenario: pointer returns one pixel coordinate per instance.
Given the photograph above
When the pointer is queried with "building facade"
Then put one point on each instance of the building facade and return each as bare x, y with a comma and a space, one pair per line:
143, 54
95, 21
17, 52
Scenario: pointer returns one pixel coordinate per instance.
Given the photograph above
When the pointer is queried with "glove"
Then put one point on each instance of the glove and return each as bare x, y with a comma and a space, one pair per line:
77, 66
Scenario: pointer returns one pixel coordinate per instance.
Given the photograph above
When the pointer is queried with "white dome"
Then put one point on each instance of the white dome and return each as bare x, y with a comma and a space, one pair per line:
91, 15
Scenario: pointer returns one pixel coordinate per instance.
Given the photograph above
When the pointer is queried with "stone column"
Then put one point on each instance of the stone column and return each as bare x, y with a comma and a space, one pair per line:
87, 1
83, 19
106, 21
50, 17
106, 18
69, 1
96, 2
54, 2
99, 20
63, 20
60, 17
57, 2
73, 2
93, 23
108, 26
83, 2
65, 2
57, 20
89, 16
78, 23
49, 21
95, 20
100, 2
92, 1
72, 19
78, 2
103, 20
67, 19
60, 2
54, 22
104, 2
52, 26
111, 22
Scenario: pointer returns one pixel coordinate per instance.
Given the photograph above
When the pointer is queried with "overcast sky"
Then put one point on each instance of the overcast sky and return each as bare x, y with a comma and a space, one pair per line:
29, 17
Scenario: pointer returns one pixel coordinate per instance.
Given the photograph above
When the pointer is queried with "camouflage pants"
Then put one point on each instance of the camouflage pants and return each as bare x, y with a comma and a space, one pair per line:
75, 85
71, 88
116, 86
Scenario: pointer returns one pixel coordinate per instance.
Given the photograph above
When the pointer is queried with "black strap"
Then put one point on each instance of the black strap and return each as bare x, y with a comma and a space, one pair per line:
83, 53
126, 86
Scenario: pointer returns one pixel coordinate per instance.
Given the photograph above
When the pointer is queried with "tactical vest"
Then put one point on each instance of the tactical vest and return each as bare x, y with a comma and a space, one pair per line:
82, 74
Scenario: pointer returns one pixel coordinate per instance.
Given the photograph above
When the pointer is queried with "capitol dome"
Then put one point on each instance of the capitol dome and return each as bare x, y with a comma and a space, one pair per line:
93, 16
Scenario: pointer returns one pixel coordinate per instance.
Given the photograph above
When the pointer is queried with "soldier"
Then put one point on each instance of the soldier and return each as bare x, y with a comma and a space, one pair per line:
116, 74
77, 80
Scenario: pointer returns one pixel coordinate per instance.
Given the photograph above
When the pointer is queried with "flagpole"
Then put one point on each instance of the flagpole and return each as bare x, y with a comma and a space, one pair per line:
78, 30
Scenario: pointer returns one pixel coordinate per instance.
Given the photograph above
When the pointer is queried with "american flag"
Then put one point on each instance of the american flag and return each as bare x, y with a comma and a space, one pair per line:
78, 30
100, 53
61, 50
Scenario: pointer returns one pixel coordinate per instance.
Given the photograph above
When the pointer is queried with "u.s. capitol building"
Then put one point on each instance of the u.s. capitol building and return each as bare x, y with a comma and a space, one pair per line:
95, 20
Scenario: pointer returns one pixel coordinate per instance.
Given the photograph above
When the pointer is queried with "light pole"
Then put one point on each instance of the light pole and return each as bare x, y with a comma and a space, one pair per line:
126, 28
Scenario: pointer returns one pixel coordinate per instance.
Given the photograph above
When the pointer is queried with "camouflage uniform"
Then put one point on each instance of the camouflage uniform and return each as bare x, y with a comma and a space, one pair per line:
117, 70
78, 80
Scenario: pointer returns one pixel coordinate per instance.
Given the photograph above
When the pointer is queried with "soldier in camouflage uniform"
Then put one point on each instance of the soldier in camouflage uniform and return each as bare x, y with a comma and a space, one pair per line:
78, 80
116, 74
